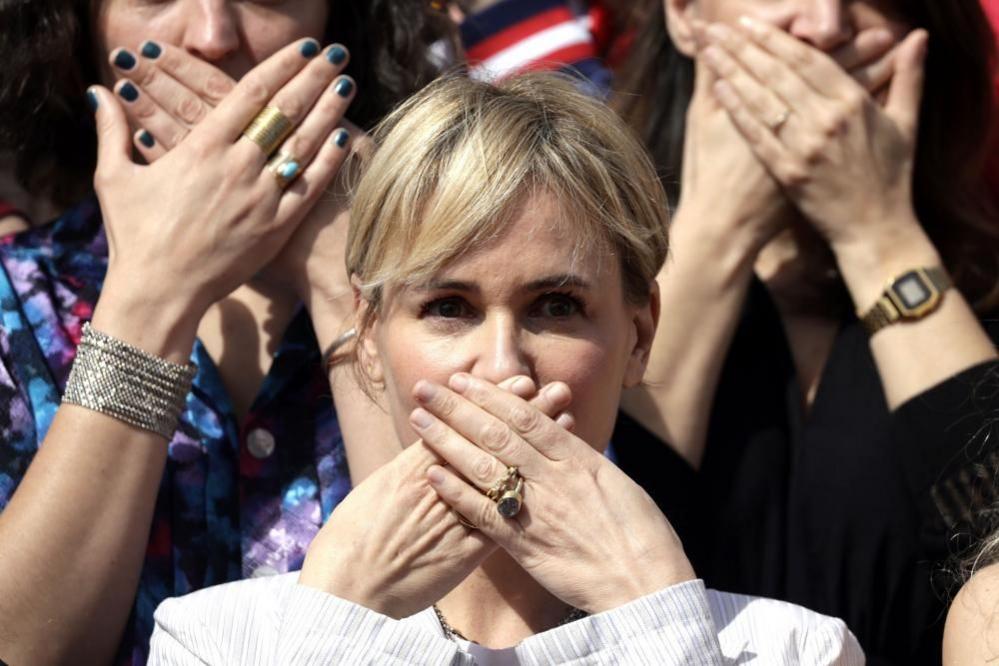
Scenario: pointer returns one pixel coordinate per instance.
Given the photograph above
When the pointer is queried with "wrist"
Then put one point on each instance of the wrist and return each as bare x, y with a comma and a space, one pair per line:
164, 327
721, 251
867, 265
331, 309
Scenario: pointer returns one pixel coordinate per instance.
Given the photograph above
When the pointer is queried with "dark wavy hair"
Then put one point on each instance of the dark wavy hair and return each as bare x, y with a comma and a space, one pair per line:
957, 116
45, 47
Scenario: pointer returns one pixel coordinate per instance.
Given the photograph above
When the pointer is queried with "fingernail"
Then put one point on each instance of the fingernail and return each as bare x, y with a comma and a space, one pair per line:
344, 87
146, 139
523, 384
421, 418
92, 100
341, 138
435, 475
557, 392
424, 391
336, 54
751, 24
124, 60
309, 48
151, 50
459, 382
128, 92
564, 420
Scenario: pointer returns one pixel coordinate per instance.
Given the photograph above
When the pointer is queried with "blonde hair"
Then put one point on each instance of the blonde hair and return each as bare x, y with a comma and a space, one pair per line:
454, 162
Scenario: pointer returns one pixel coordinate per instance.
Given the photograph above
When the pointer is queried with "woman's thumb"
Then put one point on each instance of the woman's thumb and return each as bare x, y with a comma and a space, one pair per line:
114, 141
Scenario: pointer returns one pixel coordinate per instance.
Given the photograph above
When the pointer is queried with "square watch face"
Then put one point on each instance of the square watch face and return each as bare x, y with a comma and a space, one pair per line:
912, 290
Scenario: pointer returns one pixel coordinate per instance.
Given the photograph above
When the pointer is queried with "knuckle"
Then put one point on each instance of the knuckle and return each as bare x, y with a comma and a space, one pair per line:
143, 111
494, 436
485, 472
853, 103
190, 110
794, 174
255, 91
446, 405
291, 107
813, 151
149, 77
525, 419
218, 85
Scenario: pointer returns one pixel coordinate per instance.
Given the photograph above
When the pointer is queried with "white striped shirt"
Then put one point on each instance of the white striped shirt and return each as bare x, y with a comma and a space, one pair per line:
276, 621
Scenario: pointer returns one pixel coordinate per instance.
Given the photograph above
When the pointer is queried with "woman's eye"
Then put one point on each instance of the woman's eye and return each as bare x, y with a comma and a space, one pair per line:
447, 308
558, 306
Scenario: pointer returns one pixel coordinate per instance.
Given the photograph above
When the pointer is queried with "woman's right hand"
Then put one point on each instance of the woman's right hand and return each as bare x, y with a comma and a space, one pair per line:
392, 545
186, 230
727, 192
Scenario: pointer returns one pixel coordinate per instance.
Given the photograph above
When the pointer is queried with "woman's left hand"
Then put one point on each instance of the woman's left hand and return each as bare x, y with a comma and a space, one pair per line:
844, 161
586, 532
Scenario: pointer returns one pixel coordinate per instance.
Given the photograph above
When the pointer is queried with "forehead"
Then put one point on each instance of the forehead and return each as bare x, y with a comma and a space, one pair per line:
542, 238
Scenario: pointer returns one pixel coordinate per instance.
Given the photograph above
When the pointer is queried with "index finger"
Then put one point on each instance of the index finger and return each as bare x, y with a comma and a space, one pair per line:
255, 90
816, 68
529, 421
202, 78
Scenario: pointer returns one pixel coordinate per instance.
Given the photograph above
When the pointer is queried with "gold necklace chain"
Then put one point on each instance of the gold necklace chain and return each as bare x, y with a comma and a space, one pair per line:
451, 633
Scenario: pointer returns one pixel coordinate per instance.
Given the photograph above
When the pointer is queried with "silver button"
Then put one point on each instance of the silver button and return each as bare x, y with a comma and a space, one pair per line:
260, 443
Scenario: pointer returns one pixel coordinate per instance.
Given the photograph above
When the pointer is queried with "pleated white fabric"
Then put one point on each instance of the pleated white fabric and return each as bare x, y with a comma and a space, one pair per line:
274, 621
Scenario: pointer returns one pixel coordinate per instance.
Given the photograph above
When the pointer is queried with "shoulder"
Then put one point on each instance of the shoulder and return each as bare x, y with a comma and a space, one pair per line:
781, 632
217, 623
971, 635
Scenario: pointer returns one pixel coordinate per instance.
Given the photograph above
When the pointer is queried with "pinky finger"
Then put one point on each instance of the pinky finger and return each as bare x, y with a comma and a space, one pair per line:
317, 175
147, 145
765, 144
471, 504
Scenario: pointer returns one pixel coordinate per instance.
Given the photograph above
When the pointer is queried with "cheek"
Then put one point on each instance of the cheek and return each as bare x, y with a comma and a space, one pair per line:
595, 378
268, 30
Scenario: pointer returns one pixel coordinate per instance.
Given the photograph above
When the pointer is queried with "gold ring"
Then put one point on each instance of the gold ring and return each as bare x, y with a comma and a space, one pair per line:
508, 493
465, 522
779, 121
285, 168
268, 129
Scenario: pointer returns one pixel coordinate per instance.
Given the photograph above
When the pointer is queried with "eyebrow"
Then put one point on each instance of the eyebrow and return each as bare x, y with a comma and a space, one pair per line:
550, 282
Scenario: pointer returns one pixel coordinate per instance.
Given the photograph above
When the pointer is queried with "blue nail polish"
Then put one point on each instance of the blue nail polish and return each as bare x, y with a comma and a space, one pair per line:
146, 139
289, 169
341, 138
344, 87
336, 54
151, 50
309, 48
92, 100
124, 60
128, 92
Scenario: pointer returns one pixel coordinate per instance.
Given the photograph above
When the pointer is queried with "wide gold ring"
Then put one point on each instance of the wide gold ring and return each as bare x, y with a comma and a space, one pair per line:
285, 168
508, 493
268, 129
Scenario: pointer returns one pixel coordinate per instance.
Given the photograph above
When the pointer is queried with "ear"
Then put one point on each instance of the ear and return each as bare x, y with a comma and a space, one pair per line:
679, 23
367, 349
645, 321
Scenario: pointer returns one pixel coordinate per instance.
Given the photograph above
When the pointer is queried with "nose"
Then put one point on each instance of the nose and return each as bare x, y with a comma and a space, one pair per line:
212, 32
499, 350
821, 23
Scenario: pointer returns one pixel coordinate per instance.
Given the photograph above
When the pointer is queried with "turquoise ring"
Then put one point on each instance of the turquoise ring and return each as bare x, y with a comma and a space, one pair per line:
285, 168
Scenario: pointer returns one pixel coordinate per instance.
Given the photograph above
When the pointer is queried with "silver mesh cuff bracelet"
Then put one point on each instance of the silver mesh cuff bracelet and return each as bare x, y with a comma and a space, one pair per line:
114, 378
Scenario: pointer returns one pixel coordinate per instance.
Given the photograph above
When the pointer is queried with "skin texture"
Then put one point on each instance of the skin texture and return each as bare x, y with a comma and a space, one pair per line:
812, 219
971, 636
91, 464
589, 537
497, 327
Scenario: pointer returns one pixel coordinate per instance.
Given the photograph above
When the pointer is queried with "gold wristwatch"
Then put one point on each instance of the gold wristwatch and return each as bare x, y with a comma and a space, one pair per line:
910, 296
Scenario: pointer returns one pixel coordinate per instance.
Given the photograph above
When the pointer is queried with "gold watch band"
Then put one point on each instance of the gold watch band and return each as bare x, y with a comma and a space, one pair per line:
899, 303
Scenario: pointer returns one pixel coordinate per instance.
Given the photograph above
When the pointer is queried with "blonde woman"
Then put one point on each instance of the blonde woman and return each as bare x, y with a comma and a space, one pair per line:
504, 245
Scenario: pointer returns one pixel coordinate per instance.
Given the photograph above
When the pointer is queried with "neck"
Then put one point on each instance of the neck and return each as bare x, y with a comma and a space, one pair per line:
499, 604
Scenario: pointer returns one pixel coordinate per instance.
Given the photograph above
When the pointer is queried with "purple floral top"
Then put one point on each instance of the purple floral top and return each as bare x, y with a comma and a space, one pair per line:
237, 499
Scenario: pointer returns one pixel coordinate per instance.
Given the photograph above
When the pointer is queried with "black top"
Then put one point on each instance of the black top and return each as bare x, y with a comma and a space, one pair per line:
849, 510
